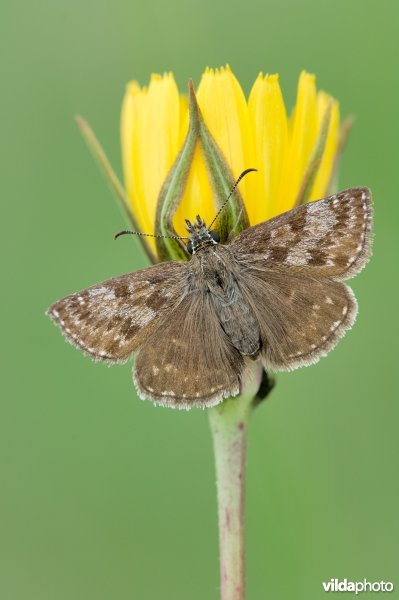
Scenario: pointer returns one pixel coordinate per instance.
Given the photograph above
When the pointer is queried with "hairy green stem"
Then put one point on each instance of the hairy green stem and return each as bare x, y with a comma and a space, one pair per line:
229, 424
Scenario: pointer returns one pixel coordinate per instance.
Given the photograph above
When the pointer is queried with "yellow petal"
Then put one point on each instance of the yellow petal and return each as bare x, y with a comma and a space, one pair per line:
226, 114
269, 119
159, 138
303, 134
325, 170
150, 129
132, 108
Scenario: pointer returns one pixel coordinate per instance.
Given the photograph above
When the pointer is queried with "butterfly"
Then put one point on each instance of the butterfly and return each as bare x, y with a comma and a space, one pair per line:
275, 292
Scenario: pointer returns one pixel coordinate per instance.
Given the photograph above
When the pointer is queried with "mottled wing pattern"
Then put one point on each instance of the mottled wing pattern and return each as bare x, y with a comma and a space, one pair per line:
110, 320
300, 318
327, 238
191, 362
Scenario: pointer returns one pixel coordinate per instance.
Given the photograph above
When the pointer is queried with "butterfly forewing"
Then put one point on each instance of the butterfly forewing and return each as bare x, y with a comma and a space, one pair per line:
291, 269
327, 238
189, 361
110, 320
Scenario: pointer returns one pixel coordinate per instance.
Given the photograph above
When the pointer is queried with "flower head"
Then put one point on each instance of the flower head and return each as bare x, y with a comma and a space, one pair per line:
294, 155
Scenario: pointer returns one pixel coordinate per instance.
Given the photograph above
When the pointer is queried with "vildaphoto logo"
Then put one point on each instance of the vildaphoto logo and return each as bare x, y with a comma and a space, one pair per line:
344, 585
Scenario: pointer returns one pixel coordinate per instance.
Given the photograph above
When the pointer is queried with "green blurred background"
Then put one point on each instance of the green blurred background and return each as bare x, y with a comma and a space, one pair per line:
104, 496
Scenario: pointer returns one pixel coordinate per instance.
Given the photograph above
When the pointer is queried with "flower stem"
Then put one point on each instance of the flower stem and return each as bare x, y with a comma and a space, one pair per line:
229, 422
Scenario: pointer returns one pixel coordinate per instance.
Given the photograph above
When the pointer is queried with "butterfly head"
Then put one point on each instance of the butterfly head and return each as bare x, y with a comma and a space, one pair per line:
200, 235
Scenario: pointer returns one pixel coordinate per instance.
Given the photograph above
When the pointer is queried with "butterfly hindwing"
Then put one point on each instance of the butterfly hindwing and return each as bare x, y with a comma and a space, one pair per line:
300, 318
326, 238
189, 361
108, 321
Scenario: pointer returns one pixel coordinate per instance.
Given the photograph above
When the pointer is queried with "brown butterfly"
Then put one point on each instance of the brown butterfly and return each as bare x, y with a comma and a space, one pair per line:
274, 292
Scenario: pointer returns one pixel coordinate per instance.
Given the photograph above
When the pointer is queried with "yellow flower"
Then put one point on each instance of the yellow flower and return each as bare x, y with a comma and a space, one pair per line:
250, 133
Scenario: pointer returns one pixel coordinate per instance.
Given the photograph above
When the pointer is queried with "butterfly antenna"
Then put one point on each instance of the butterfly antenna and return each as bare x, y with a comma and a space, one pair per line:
154, 235
233, 189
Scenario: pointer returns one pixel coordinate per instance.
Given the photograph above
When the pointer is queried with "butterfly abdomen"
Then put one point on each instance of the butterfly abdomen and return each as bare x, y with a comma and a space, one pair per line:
217, 276
240, 324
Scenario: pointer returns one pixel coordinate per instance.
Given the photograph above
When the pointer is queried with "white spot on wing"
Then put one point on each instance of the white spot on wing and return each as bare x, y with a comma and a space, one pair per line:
146, 315
96, 292
297, 257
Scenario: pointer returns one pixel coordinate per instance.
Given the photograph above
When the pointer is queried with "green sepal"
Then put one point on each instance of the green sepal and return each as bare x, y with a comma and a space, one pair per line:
234, 217
173, 189
314, 160
343, 135
112, 178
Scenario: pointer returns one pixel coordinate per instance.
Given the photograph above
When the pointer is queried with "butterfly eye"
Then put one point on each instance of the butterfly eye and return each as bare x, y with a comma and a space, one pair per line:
215, 236
189, 247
